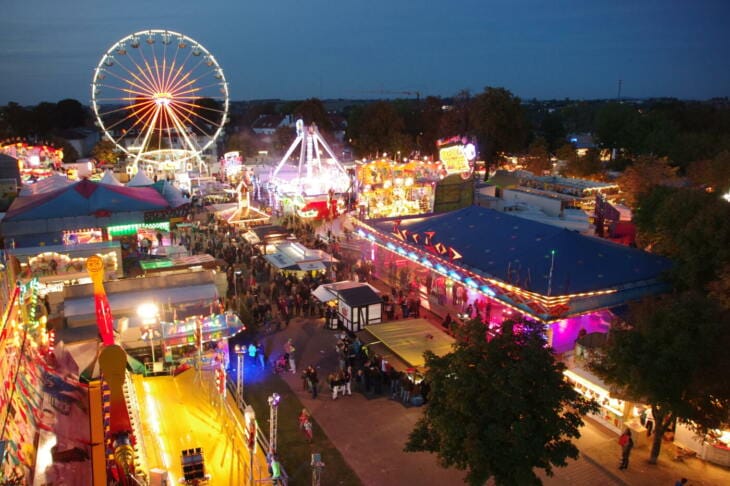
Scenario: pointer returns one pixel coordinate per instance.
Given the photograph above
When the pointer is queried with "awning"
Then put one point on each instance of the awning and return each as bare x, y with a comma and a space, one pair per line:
323, 294
129, 301
280, 261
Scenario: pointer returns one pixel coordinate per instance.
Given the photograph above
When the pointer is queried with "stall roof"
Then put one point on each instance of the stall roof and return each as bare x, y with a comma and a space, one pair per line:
84, 198
129, 301
360, 296
410, 338
520, 251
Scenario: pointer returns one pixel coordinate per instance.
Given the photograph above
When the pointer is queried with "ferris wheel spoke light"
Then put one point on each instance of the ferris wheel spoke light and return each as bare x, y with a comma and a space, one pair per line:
154, 100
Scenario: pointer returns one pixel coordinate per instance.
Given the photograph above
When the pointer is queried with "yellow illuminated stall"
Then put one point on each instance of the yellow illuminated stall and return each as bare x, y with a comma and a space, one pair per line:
389, 188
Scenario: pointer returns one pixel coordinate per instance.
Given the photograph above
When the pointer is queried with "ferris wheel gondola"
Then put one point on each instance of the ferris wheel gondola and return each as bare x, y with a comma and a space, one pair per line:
160, 92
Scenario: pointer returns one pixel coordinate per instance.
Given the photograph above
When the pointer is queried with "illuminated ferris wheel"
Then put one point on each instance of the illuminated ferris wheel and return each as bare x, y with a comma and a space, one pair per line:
161, 98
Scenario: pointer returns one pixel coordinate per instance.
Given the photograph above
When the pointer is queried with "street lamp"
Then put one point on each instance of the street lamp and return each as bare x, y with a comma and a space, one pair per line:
240, 355
250, 417
149, 312
274, 400
236, 276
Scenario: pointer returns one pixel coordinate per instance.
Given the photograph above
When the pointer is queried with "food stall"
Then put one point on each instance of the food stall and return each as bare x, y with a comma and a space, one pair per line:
715, 448
396, 189
358, 304
614, 413
55, 265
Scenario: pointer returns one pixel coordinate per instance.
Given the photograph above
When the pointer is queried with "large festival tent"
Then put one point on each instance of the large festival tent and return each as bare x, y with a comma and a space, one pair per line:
140, 179
84, 204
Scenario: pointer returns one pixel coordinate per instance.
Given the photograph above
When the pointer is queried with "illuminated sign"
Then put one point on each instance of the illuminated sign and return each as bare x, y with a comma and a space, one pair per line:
457, 156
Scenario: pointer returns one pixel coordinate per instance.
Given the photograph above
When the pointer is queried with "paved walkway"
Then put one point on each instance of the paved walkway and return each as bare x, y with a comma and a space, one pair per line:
371, 433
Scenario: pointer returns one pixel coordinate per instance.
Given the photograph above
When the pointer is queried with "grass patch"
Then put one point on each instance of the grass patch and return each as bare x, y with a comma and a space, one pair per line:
294, 451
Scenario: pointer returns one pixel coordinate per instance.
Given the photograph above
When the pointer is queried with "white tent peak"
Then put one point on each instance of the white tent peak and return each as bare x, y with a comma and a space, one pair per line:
110, 179
140, 179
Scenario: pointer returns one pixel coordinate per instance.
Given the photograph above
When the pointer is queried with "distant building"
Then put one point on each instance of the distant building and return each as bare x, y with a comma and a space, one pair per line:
582, 142
267, 124
81, 139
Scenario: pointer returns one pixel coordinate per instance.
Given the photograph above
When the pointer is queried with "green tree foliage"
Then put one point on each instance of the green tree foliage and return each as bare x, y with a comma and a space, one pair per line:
674, 358
209, 111
69, 152
617, 125
283, 138
456, 119
243, 142
313, 111
538, 157
552, 130
105, 152
500, 407
712, 174
431, 115
641, 176
70, 114
499, 122
689, 226
378, 128
588, 165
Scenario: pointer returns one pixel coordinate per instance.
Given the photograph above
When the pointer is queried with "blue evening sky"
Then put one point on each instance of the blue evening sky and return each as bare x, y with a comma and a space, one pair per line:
354, 49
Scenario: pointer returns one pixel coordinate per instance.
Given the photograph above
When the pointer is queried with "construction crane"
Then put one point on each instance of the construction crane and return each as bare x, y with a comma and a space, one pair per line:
383, 91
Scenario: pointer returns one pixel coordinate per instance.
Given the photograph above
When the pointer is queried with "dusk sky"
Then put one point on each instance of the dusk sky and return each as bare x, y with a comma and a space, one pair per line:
356, 49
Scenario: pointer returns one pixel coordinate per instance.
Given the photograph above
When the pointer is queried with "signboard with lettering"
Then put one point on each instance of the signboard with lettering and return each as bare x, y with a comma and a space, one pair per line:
457, 156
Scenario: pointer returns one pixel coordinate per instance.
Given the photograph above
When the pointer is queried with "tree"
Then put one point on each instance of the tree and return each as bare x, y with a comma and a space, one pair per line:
617, 125
552, 130
499, 407
538, 157
243, 142
70, 114
689, 226
105, 152
674, 358
378, 129
586, 165
498, 120
645, 173
313, 111
283, 138
712, 174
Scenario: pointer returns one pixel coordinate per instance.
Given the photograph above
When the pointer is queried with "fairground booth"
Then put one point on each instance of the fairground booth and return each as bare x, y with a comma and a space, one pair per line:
390, 189
36, 161
93, 212
294, 258
481, 262
354, 305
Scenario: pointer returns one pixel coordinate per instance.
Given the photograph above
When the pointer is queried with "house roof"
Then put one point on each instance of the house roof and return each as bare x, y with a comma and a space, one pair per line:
520, 252
84, 198
359, 296
267, 121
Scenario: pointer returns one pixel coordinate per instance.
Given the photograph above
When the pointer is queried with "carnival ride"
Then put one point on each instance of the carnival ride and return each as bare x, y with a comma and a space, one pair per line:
162, 99
35, 160
314, 175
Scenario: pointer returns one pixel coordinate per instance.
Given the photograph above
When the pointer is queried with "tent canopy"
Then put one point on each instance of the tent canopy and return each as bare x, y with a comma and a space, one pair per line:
110, 179
140, 179
85, 198
54, 182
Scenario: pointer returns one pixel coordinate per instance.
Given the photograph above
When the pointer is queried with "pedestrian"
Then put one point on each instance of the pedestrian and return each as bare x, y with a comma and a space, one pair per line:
681, 482
626, 443
290, 349
260, 355
305, 424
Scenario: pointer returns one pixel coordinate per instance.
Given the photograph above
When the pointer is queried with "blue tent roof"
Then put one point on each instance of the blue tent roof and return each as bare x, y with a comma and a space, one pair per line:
518, 251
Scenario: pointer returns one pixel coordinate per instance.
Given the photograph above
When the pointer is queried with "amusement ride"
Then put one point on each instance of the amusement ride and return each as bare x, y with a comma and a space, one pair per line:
162, 99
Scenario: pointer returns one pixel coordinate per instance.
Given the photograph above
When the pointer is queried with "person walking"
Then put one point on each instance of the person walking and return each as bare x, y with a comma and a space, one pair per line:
305, 424
626, 443
290, 349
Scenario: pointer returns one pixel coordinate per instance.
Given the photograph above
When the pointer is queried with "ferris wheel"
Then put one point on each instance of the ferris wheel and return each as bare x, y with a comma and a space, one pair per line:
161, 98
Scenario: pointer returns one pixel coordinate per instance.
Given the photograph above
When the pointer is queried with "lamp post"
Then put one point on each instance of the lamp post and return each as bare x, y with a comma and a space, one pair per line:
149, 312
250, 417
240, 355
274, 400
